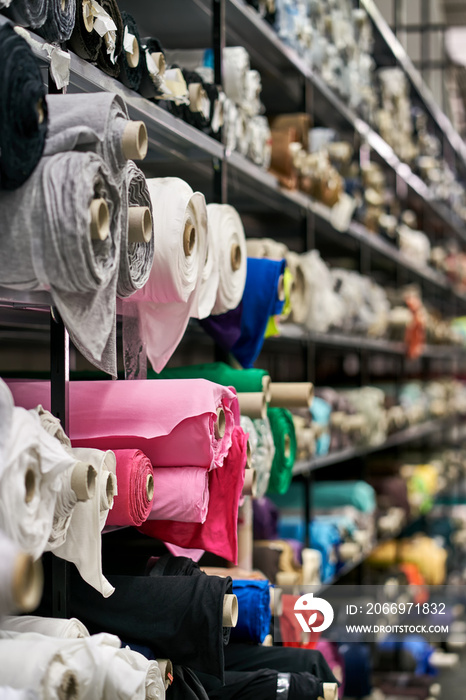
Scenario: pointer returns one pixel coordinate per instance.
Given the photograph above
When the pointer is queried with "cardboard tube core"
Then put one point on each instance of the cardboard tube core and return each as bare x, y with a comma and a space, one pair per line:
281, 288
189, 238
248, 455
266, 387
100, 219
196, 93
29, 485
287, 447
252, 404
40, 111
330, 691
220, 425
63, 5
109, 489
139, 225
291, 394
250, 483
87, 16
135, 141
166, 669
235, 257
83, 481
133, 56
276, 603
159, 60
230, 610
150, 487
27, 582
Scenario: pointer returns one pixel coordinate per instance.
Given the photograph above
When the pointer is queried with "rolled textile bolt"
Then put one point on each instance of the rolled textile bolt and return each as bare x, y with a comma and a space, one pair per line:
150, 487
87, 15
220, 424
27, 582
100, 219
166, 669
139, 225
235, 257
135, 141
330, 691
29, 485
252, 404
132, 56
230, 610
276, 603
281, 288
248, 455
159, 60
189, 238
250, 483
83, 481
266, 382
291, 394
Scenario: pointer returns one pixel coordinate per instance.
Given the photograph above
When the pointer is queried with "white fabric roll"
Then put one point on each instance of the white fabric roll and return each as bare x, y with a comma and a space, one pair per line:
251, 102
266, 248
318, 304
210, 275
30, 481
227, 230
259, 138
230, 117
83, 544
263, 455
235, 70
13, 625
172, 293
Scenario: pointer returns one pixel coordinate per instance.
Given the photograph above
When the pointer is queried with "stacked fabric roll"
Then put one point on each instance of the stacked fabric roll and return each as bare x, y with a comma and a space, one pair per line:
53, 19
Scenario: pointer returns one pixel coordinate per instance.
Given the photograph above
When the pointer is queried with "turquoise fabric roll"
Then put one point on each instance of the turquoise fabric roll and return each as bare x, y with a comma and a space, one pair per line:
326, 495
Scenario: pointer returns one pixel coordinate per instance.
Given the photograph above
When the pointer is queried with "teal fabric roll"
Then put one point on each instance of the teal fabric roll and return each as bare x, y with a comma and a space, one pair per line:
326, 495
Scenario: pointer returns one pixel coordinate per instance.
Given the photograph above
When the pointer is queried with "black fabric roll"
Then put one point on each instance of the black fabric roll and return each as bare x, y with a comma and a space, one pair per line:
185, 686
263, 685
178, 617
131, 77
23, 110
84, 43
247, 657
103, 59
28, 13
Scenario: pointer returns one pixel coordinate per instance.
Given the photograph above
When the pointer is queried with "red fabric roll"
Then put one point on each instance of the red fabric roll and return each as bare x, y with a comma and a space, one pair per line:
132, 505
218, 534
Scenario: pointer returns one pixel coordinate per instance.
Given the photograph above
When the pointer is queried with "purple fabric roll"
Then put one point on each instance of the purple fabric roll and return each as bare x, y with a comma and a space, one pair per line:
265, 519
225, 329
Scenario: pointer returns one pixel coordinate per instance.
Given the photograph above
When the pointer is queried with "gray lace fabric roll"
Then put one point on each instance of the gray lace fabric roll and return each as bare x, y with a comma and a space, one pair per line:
88, 123
46, 244
53, 18
135, 258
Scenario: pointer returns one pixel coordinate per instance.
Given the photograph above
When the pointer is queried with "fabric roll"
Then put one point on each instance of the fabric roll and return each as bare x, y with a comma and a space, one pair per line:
178, 617
171, 429
85, 40
23, 109
112, 45
225, 329
260, 301
334, 494
29, 14
83, 544
264, 454
48, 626
130, 75
181, 494
254, 616
284, 438
172, 292
45, 670
42, 250
219, 372
218, 534
235, 70
97, 125
227, 230
152, 73
266, 248
53, 18
135, 258
263, 684
265, 519
132, 505
30, 481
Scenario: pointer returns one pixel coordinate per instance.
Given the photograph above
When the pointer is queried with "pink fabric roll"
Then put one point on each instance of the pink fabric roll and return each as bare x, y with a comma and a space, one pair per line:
218, 534
172, 420
181, 493
132, 505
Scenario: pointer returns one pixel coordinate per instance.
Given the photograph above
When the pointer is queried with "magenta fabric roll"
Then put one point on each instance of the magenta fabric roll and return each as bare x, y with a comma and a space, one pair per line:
132, 505
172, 420
219, 532
181, 493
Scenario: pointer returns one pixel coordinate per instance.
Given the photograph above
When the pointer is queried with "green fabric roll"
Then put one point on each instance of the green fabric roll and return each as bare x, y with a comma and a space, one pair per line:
284, 438
330, 494
218, 372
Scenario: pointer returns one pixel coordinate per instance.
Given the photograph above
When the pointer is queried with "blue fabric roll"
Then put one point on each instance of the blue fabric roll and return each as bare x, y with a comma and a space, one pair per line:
323, 535
358, 669
327, 495
260, 301
321, 412
417, 647
254, 616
